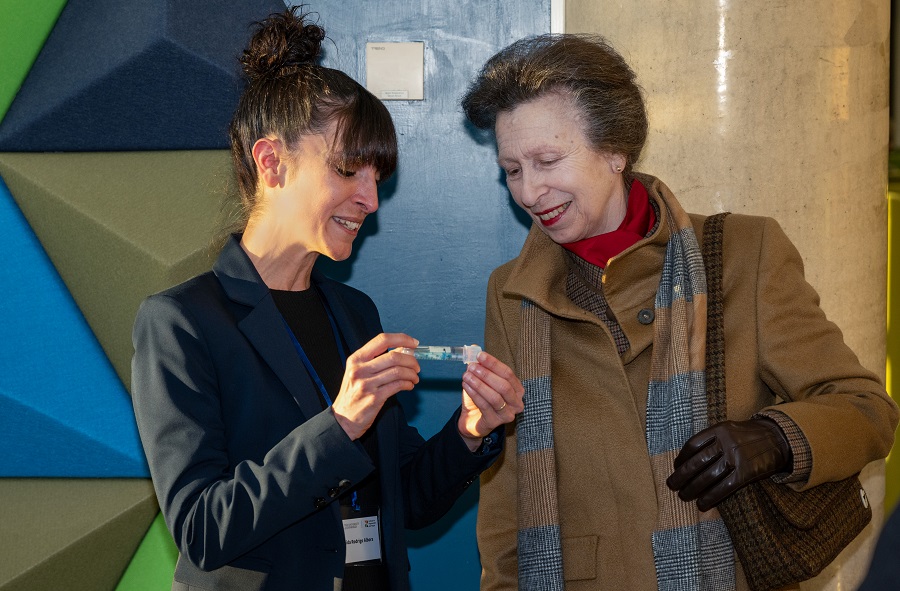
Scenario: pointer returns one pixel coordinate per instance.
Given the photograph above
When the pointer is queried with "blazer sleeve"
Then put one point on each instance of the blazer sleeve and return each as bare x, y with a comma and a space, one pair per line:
497, 506
841, 408
217, 511
436, 473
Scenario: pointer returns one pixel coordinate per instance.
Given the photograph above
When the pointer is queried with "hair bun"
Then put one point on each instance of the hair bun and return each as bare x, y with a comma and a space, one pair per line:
282, 43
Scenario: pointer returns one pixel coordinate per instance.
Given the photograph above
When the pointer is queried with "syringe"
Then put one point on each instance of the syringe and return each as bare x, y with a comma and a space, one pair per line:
466, 353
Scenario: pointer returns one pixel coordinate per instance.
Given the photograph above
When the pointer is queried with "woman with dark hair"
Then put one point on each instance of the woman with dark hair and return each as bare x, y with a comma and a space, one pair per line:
264, 392
612, 476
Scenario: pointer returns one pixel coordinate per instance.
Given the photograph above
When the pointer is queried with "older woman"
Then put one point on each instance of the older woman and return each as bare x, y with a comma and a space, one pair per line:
264, 392
603, 317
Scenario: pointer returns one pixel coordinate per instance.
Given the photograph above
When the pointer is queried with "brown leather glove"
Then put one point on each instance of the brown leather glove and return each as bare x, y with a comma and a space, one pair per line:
728, 456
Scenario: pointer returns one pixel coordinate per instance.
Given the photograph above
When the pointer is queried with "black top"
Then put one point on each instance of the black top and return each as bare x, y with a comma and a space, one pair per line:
305, 313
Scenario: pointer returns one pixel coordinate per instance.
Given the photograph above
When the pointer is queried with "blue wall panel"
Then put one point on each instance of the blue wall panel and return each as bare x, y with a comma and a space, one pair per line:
446, 219
114, 76
63, 410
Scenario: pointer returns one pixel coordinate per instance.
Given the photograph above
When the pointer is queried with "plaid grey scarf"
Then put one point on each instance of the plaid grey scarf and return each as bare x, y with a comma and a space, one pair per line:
692, 551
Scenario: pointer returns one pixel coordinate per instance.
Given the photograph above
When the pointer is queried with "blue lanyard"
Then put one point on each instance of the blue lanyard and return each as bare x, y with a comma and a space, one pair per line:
305, 359
315, 376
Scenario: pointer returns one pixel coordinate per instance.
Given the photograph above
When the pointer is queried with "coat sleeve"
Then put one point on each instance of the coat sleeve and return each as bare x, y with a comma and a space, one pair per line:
217, 511
841, 408
497, 529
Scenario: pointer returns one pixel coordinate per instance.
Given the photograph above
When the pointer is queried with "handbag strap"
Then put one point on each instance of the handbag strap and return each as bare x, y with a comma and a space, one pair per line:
781, 536
713, 236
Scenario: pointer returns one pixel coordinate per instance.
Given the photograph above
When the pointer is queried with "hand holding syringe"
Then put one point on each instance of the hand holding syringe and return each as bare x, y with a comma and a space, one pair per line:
491, 392
467, 353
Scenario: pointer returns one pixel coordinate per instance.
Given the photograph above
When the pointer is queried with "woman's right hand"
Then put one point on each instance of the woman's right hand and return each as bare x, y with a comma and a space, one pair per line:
374, 374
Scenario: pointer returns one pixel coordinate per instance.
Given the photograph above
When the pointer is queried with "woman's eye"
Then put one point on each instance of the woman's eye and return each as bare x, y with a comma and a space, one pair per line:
512, 172
344, 172
549, 161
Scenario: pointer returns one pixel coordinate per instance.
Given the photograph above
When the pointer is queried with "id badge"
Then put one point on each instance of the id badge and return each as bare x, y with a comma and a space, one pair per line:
363, 539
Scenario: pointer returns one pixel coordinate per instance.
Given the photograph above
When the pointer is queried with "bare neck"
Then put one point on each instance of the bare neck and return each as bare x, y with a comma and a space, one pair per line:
282, 264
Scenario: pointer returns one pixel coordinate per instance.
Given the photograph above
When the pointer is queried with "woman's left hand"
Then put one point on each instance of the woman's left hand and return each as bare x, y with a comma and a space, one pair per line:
492, 396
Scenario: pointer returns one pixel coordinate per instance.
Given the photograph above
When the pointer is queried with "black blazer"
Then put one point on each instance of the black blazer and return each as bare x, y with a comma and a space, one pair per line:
246, 464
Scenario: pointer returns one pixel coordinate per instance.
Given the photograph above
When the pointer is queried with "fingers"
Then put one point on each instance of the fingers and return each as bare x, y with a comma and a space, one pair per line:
707, 477
497, 367
694, 445
372, 375
494, 387
492, 396
718, 492
382, 342
374, 361
697, 455
707, 481
725, 457
373, 382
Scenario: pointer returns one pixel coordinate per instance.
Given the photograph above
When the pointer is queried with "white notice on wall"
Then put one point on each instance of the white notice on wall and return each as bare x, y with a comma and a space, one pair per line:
396, 71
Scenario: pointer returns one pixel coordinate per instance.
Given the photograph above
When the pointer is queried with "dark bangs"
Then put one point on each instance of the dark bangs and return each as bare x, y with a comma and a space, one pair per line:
365, 135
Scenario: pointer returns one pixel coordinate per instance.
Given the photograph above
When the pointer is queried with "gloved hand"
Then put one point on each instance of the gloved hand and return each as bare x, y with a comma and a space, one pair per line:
728, 456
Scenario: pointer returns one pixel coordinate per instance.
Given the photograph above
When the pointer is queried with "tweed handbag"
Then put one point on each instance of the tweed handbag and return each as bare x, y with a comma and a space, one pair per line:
781, 536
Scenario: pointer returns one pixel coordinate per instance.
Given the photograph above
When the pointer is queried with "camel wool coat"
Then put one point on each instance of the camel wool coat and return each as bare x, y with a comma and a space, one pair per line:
781, 352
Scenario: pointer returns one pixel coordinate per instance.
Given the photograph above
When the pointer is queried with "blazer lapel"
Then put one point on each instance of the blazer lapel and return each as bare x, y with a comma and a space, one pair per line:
264, 326
265, 329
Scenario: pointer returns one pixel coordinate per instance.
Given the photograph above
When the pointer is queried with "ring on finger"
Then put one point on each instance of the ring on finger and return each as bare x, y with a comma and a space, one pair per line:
502, 406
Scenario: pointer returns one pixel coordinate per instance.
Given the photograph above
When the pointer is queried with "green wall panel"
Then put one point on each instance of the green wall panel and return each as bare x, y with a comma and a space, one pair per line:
24, 27
82, 532
154, 562
119, 226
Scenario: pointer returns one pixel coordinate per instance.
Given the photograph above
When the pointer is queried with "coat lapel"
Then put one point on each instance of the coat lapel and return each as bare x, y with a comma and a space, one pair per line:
263, 325
266, 331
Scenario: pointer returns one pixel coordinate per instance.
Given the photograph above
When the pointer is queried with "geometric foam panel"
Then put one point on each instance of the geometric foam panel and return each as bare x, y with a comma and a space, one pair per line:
63, 410
23, 30
120, 226
149, 75
72, 534
153, 564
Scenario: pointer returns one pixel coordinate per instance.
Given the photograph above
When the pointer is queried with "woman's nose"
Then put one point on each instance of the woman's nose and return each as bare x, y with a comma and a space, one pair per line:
367, 192
531, 190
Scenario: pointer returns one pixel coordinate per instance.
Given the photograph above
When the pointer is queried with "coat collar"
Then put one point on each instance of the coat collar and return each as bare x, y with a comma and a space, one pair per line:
264, 326
629, 284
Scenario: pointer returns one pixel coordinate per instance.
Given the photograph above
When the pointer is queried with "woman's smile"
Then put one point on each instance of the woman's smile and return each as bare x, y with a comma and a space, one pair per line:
349, 225
551, 216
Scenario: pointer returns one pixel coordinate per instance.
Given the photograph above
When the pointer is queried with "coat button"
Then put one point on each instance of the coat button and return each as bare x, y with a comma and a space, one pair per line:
344, 484
646, 316
334, 492
320, 503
